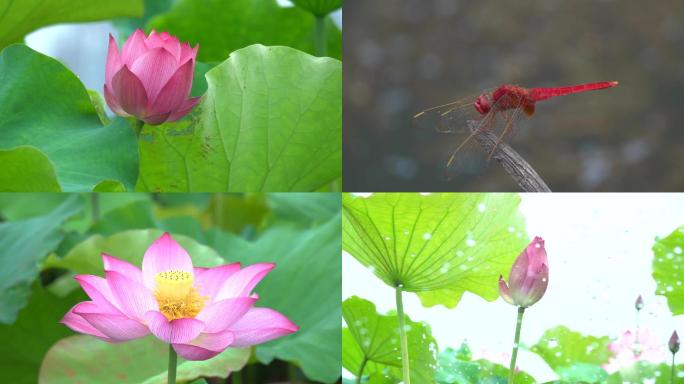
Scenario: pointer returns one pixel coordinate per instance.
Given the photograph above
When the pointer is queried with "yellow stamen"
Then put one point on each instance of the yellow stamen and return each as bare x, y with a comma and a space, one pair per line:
176, 295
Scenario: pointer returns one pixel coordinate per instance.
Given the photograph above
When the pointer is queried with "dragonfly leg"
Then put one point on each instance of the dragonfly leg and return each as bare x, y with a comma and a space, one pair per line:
507, 129
481, 127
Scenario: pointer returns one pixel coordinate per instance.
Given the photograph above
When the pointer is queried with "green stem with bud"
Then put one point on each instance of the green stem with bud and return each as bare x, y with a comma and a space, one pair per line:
402, 337
173, 360
516, 341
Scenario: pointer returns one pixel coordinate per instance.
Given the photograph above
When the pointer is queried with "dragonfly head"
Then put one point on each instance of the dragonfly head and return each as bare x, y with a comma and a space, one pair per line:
483, 104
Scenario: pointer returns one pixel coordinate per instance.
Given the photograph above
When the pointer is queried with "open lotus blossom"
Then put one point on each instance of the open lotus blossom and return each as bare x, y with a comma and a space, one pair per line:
529, 276
199, 311
151, 78
673, 344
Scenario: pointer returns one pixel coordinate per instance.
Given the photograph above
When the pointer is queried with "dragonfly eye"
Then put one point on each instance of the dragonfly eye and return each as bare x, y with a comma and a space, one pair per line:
482, 104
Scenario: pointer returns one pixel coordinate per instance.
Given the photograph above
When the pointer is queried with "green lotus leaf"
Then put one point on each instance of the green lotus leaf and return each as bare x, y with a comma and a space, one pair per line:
44, 105
22, 17
271, 120
573, 356
371, 341
23, 244
319, 8
27, 169
221, 27
25, 342
87, 359
668, 269
436, 245
85, 257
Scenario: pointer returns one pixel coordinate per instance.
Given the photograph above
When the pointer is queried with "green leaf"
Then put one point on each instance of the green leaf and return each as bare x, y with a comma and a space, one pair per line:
573, 356
23, 244
221, 27
305, 286
437, 245
22, 17
319, 8
271, 121
127, 26
668, 269
25, 342
86, 359
646, 372
27, 169
85, 258
44, 105
374, 338
16, 206
304, 207
109, 186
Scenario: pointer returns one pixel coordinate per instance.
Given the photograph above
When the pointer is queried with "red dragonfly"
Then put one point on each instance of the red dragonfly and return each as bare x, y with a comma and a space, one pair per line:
502, 105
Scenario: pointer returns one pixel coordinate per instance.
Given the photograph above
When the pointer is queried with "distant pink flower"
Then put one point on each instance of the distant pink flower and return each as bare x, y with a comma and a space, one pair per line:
529, 276
639, 303
626, 350
495, 357
200, 311
151, 78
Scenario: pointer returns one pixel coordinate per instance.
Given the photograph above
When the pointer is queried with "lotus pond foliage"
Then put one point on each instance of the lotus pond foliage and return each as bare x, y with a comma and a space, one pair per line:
256, 108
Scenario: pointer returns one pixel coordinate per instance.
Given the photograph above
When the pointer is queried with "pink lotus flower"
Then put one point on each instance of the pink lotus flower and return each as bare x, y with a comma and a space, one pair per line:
673, 344
529, 276
200, 311
151, 78
627, 350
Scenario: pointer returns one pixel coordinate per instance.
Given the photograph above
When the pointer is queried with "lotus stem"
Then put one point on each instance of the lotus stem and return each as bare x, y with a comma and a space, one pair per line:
516, 341
173, 359
137, 126
360, 374
402, 336
321, 42
672, 374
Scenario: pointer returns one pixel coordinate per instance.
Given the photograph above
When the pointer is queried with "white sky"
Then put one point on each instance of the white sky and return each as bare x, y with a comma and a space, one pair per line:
599, 249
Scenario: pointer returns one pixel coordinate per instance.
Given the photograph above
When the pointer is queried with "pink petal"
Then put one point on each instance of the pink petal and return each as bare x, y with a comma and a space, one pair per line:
165, 254
205, 346
260, 325
187, 52
98, 290
175, 331
133, 298
115, 326
503, 290
125, 268
170, 43
184, 109
78, 324
113, 60
113, 102
156, 119
242, 282
209, 280
134, 47
154, 69
129, 92
175, 91
222, 314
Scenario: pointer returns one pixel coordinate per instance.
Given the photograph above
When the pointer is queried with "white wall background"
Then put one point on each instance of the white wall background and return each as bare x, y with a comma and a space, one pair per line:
599, 249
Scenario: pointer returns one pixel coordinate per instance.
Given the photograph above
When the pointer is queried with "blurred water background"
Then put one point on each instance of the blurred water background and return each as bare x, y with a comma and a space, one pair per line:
402, 56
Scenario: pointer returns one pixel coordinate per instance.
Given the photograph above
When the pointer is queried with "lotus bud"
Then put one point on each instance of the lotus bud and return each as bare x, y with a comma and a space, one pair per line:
150, 78
674, 342
528, 278
639, 304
